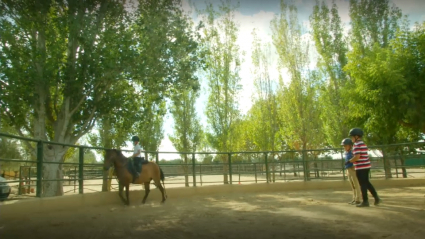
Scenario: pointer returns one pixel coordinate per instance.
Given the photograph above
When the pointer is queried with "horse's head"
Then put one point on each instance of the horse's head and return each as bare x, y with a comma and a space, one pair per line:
110, 156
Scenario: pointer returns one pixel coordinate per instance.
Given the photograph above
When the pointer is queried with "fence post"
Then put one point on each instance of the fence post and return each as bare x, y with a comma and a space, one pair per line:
230, 167
194, 169
396, 168
29, 176
200, 173
157, 158
20, 181
39, 168
81, 170
267, 167
255, 172
239, 173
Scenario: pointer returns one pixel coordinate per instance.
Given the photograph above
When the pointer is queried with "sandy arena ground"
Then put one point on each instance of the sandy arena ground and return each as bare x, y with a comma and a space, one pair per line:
95, 185
301, 214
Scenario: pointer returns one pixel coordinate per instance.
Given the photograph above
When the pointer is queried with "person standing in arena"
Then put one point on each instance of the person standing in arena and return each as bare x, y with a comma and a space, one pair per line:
362, 165
351, 172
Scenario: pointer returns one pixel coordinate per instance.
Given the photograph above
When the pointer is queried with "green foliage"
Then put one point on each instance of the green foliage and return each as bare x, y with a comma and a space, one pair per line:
299, 109
11, 149
332, 47
377, 98
222, 73
388, 86
166, 56
187, 129
375, 84
149, 127
67, 68
166, 49
373, 22
263, 116
114, 129
69, 65
70, 70
62, 66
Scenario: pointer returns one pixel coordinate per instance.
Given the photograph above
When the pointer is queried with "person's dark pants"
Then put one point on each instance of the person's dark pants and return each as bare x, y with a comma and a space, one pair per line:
138, 164
365, 185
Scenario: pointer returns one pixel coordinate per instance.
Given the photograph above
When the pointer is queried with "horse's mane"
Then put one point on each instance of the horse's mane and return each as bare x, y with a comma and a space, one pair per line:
117, 151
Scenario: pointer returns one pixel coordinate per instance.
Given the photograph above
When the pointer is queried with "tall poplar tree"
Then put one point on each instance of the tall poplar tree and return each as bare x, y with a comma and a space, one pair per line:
299, 101
222, 74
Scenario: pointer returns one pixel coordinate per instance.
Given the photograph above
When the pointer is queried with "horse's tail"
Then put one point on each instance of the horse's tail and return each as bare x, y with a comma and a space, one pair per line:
162, 177
161, 174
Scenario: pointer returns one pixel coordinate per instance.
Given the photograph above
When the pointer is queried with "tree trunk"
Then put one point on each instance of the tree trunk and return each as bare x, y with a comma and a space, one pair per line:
105, 181
316, 169
225, 175
52, 188
273, 178
306, 164
403, 168
54, 154
225, 169
280, 173
186, 176
387, 166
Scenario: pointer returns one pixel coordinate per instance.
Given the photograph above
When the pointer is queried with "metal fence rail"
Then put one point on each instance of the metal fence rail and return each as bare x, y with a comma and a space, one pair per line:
398, 160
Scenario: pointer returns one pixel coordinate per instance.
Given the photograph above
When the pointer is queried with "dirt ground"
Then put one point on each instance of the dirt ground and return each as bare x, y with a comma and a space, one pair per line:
95, 185
302, 214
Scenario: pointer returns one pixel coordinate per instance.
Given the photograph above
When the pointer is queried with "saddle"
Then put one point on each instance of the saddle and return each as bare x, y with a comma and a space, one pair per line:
134, 166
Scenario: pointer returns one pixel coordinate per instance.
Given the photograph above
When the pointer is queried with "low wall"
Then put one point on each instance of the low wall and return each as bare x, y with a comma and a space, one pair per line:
74, 202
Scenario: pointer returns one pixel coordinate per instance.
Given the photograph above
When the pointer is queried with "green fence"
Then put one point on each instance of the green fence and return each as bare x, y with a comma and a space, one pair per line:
200, 169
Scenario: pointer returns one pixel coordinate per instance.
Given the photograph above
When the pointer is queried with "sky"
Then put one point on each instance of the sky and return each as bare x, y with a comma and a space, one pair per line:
258, 14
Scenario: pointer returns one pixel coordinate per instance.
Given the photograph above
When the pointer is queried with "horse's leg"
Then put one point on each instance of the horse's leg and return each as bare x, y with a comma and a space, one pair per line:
147, 190
158, 185
126, 193
121, 187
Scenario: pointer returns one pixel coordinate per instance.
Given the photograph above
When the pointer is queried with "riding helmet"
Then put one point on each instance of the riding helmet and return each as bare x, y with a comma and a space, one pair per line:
135, 138
347, 141
356, 132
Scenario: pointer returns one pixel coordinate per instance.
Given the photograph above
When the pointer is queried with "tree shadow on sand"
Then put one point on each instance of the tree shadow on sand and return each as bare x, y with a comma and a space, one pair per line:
302, 214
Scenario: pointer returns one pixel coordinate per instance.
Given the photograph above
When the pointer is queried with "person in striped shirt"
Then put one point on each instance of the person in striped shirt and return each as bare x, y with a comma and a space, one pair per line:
362, 165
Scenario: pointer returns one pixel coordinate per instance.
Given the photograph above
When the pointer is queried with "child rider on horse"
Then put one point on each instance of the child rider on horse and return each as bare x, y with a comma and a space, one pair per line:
136, 155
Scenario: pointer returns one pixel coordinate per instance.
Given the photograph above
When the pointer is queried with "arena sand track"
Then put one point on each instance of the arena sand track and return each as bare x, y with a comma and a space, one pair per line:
301, 214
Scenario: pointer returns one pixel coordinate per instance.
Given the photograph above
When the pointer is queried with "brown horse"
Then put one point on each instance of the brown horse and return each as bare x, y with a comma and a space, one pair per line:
150, 171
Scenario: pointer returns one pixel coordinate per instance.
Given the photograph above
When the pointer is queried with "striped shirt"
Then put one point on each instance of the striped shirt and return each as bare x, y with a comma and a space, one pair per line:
361, 148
